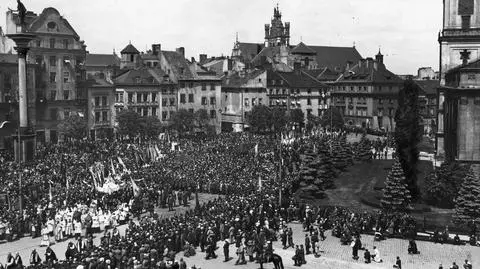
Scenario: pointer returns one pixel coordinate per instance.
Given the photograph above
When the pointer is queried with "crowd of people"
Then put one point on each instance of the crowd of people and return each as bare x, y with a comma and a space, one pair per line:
254, 208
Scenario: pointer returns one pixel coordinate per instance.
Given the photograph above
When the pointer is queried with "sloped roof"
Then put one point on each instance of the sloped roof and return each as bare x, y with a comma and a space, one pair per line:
235, 80
324, 74
249, 50
102, 60
179, 65
335, 57
428, 86
368, 73
295, 79
130, 49
99, 82
39, 21
301, 48
141, 76
201, 73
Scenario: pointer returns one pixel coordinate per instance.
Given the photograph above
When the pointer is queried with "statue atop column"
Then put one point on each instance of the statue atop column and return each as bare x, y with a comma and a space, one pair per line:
22, 11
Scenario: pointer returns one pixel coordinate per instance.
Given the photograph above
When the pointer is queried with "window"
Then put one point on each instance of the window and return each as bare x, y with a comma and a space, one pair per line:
190, 98
53, 95
260, 101
380, 101
52, 43
104, 101
53, 61
52, 77
204, 101
309, 102
172, 101
181, 84
247, 102
66, 76
164, 102
254, 101
97, 101
104, 116
154, 97
139, 97
139, 110
154, 111
309, 112
182, 98
130, 97
471, 76
97, 116
39, 43
66, 112
164, 115
38, 59
190, 110
190, 85
119, 98
145, 97
213, 114
212, 86
66, 95
204, 87
145, 112
132, 57
65, 43
213, 100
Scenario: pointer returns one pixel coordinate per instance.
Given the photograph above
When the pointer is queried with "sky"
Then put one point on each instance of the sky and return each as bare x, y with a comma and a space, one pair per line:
405, 30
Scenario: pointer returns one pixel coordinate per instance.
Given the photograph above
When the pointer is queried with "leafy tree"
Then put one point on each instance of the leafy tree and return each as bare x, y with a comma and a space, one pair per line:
467, 204
260, 118
443, 184
183, 121
297, 117
150, 127
202, 119
408, 133
74, 127
396, 196
332, 117
279, 119
128, 123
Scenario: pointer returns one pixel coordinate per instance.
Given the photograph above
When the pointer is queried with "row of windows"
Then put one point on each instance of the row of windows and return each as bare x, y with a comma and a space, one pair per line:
101, 116
144, 97
294, 91
53, 43
53, 95
53, 77
168, 101
100, 101
55, 114
191, 85
213, 101
254, 102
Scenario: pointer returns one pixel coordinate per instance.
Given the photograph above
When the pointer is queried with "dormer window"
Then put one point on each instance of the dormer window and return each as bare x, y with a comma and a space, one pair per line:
51, 26
138, 80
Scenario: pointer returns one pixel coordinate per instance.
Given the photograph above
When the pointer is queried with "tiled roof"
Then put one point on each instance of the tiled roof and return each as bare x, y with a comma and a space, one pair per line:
179, 65
370, 73
335, 58
301, 48
130, 49
324, 74
102, 60
99, 82
428, 86
141, 76
249, 50
295, 79
235, 80
201, 73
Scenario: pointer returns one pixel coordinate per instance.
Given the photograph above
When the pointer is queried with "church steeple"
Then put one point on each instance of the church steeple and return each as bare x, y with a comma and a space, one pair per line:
277, 33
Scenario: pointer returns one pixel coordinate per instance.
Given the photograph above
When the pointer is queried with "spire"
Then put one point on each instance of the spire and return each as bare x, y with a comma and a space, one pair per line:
236, 38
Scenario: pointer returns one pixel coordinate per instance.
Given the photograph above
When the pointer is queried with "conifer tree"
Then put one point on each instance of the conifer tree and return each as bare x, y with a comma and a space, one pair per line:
396, 196
467, 203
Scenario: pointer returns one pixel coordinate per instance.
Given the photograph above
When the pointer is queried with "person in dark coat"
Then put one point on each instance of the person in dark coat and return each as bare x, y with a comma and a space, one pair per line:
226, 248
307, 244
367, 256
50, 257
35, 258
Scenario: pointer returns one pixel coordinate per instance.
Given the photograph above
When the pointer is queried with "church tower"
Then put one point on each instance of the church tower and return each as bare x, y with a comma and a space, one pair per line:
458, 118
277, 34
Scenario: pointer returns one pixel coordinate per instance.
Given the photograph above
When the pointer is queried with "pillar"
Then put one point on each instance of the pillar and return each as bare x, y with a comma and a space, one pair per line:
22, 87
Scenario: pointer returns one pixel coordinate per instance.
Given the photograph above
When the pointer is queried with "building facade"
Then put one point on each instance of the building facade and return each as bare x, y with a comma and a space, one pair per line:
367, 94
458, 95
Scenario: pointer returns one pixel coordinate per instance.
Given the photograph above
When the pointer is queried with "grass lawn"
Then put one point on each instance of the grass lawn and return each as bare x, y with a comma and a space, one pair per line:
360, 187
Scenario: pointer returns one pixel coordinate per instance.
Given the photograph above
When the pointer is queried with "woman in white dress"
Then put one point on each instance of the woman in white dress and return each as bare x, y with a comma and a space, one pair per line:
45, 237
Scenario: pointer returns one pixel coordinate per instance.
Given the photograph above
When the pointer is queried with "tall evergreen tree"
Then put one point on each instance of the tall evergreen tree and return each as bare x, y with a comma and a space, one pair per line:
467, 203
408, 133
396, 196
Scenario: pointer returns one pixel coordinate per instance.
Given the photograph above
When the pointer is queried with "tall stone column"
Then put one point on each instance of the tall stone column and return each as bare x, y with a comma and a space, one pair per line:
25, 137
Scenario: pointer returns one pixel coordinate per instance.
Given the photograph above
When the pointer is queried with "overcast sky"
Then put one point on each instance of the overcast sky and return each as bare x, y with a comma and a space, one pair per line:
406, 30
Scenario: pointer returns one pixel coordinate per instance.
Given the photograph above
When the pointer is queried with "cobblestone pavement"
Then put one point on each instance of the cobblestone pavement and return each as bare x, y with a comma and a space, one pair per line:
334, 256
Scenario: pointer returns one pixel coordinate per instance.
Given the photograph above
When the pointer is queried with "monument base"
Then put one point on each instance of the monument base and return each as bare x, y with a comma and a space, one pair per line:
25, 148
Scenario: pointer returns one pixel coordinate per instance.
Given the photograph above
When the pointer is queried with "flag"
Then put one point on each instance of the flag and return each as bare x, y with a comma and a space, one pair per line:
135, 188
256, 150
259, 183
50, 196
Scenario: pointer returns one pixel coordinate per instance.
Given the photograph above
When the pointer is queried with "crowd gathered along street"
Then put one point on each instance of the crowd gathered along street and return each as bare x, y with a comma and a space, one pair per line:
63, 200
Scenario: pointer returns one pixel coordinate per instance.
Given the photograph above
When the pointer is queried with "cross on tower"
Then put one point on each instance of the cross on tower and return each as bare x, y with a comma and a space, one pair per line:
465, 56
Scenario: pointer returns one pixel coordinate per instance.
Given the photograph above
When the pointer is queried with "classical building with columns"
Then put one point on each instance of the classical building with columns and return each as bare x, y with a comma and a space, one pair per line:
458, 135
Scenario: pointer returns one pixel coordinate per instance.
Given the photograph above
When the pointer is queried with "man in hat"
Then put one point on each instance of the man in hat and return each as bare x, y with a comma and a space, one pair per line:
226, 248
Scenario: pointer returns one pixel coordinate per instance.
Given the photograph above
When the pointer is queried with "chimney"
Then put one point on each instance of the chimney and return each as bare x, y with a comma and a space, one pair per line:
349, 65
156, 48
181, 51
203, 58
297, 67
369, 62
193, 59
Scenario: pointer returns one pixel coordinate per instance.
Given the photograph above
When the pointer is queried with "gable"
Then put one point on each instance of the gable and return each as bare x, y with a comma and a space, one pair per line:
51, 22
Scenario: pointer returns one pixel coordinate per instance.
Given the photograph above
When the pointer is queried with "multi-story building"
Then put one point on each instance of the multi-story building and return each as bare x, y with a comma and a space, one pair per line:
297, 90
59, 51
198, 88
240, 93
101, 101
458, 134
428, 104
367, 93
